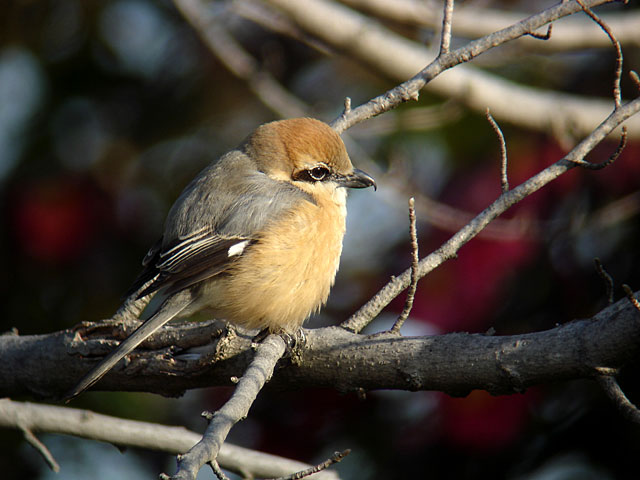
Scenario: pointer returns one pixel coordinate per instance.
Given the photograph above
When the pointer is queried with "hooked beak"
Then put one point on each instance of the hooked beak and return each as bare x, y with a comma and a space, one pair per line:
357, 179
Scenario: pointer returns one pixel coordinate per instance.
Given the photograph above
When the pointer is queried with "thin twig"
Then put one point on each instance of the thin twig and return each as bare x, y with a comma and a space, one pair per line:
445, 36
607, 371
504, 181
606, 278
617, 92
614, 156
217, 470
335, 458
41, 448
411, 293
237, 407
616, 395
634, 301
347, 105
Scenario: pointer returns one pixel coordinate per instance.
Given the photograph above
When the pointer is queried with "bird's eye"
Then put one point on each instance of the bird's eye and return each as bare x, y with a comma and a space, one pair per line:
318, 173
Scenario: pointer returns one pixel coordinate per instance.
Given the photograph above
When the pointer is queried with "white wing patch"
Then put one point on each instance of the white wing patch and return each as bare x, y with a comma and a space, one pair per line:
237, 248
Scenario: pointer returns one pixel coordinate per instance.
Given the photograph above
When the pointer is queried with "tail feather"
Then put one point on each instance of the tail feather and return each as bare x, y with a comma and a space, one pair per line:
167, 311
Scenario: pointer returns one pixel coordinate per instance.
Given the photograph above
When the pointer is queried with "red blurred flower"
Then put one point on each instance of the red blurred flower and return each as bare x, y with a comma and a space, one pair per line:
481, 422
55, 219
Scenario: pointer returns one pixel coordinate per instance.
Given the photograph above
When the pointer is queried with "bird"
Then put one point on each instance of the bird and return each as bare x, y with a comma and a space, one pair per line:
255, 238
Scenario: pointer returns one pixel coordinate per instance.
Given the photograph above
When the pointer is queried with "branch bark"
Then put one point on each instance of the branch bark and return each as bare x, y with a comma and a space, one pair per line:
234, 410
132, 433
455, 363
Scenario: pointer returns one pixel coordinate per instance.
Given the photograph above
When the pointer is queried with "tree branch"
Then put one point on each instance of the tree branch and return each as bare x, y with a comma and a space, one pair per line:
611, 387
455, 363
235, 409
335, 458
445, 35
473, 22
395, 56
504, 179
41, 448
132, 433
415, 259
448, 250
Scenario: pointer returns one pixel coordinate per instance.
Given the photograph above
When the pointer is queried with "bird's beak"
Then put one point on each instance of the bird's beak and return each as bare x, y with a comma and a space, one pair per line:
357, 179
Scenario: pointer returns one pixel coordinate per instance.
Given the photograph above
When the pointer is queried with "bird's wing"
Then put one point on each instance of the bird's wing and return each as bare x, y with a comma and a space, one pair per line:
190, 259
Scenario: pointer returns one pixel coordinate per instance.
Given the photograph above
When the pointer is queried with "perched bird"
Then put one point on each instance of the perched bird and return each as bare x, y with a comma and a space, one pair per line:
255, 238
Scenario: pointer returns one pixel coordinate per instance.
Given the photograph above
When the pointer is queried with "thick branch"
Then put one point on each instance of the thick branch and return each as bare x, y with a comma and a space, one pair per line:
455, 363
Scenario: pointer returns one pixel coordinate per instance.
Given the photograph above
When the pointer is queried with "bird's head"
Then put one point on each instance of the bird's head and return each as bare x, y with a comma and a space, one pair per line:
307, 153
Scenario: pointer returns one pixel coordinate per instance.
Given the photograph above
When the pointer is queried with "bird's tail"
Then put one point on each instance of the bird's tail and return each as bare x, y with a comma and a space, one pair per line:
169, 309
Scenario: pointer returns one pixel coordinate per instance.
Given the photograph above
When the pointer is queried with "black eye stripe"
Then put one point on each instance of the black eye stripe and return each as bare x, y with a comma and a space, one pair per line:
315, 174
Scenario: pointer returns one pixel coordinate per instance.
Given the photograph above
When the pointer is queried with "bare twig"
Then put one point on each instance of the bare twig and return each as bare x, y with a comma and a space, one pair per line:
617, 396
237, 407
606, 278
411, 293
634, 301
445, 36
614, 156
448, 250
217, 470
504, 180
41, 448
617, 95
607, 371
335, 458
131, 433
347, 105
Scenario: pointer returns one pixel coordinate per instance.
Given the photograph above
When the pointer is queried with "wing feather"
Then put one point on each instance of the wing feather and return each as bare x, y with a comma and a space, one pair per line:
189, 260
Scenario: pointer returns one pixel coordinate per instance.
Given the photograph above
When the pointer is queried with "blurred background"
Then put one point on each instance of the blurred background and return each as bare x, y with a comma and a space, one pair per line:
108, 109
